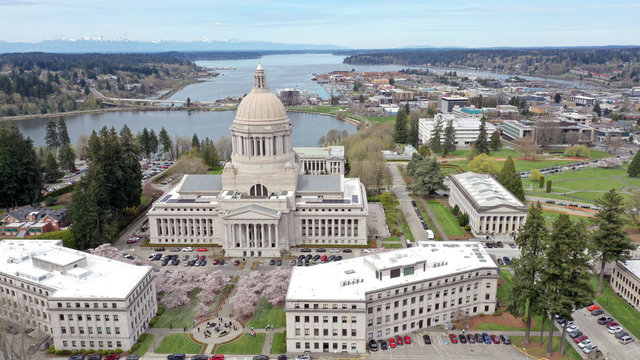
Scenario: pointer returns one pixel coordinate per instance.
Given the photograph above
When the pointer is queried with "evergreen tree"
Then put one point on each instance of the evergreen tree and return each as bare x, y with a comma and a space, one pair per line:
400, 134
436, 137
566, 273
165, 142
449, 145
414, 133
51, 135
92, 221
428, 178
209, 153
526, 292
557, 98
597, 109
481, 144
511, 180
67, 157
416, 160
610, 242
145, 145
51, 170
496, 143
130, 171
20, 175
153, 142
195, 142
634, 167
63, 135
424, 150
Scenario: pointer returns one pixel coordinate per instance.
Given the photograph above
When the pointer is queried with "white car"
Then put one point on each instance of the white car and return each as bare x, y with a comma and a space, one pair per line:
152, 256
615, 329
303, 357
589, 348
584, 343
188, 248
334, 250
571, 328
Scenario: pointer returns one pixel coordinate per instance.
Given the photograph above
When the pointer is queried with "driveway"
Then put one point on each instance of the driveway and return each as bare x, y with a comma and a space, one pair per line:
398, 187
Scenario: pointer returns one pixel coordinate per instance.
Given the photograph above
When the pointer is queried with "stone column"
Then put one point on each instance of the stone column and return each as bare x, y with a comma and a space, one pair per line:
262, 233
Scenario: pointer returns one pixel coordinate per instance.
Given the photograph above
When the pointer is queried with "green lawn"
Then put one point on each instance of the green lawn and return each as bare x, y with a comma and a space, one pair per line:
145, 341
540, 352
524, 165
578, 196
216, 171
427, 219
267, 314
178, 343
279, 344
445, 218
505, 289
181, 316
551, 216
499, 327
627, 316
320, 109
501, 153
245, 344
588, 184
404, 225
391, 239
391, 246
381, 119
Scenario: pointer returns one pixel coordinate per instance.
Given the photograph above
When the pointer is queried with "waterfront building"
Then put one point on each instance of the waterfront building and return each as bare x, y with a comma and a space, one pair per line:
625, 281
338, 307
466, 129
82, 301
492, 209
269, 197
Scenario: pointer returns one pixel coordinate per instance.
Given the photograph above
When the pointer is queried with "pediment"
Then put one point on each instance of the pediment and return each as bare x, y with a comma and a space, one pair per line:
252, 212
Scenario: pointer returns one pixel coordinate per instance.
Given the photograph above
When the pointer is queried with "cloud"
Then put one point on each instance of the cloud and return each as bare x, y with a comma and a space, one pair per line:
16, 3
218, 23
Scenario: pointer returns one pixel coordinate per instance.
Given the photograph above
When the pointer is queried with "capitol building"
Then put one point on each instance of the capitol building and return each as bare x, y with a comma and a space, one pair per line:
270, 196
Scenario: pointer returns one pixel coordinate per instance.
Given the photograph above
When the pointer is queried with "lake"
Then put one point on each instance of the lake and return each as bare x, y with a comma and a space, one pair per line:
307, 128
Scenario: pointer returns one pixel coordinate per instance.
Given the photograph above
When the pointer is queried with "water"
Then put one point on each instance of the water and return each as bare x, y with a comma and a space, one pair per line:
307, 128
286, 71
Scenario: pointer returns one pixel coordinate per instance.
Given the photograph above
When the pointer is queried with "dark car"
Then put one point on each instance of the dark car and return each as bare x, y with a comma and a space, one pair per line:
77, 357
337, 258
261, 357
373, 345
307, 263
462, 338
165, 262
157, 257
471, 339
427, 339
575, 334
279, 262
308, 257
97, 357
300, 263
222, 262
203, 262
507, 261
282, 357
499, 244
346, 250
500, 262
133, 357
316, 258
479, 338
301, 257
597, 312
505, 339
200, 357
236, 262
305, 250
383, 345
158, 249
272, 262
176, 262
321, 250
486, 338
331, 257
292, 263
605, 320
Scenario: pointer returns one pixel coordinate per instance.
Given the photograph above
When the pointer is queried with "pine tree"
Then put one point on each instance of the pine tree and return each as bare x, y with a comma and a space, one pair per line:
481, 144
153, 142
597, 109
414, 133
428, 178
51, 169
449, 145
67, 157
20, 177
209, 153
436, 138
143, 140
63, 135
496, 143
131, 174
526, 292
400, 134
610, 242
51, 135
165, 141
634, 167
195, 142
511, 180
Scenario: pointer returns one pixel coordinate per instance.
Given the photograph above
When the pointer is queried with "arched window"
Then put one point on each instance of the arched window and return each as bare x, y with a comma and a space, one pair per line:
258, 190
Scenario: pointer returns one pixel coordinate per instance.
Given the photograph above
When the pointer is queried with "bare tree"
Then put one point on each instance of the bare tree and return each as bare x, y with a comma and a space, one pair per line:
528, 148
612, 144
223, 145
548, 133
572, 138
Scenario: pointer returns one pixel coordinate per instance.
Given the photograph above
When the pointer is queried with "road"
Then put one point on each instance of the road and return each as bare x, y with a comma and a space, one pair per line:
607, 343
398, 187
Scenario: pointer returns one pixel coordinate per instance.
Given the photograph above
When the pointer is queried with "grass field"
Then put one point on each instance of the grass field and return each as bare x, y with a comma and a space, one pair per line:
320, 109
427, 218
179, 317
391, 245
177, 343
501, 153
381, 119
279, 344
404, 225
245, 344
505, 288
540, 352
391, 239
445, 218
628, 317
145, 341
216, 171
551, 216
267, 314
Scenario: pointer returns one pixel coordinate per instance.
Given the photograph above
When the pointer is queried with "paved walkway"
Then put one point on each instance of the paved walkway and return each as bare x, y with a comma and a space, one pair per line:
399, 188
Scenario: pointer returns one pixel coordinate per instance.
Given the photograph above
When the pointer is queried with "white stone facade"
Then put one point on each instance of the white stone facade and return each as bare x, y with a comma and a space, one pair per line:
466, 129
338, 307
492, 209
81, 300
625, 281
269, 197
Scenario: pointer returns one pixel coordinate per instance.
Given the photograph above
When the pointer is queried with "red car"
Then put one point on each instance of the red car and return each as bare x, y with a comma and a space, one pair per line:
392, 343
453, 338
495, 339
612, 324
580, 338
112, 356
593, 307
217, 357
201, 249
399, 340
323, 258
132, 241
215, 261
407, 340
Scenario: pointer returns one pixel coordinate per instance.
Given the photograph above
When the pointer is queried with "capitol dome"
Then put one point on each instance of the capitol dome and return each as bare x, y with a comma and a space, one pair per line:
260, 106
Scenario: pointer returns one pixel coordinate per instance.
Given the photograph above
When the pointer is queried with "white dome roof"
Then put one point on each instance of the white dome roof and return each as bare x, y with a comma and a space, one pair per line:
260, 105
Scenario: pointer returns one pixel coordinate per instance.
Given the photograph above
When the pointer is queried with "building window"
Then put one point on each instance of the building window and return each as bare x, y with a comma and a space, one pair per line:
395, 273
408, 271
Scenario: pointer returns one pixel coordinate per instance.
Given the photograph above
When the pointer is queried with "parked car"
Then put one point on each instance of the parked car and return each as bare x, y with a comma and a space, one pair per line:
279, 262
605, 320
612, 324
199, 357
323, 258
615, 329
77, 357
495, 339
505, 339
272, 262
337, 258
186, 249
621, 334
453, 338
597, 312
486, 338
346, 251
500, 261
217, 357
580, 339
625, 340
383, 345
593, 307
373, 346
236, 262
407, 339
471, 339
572, 328
392, 343
95, 356
159, 249
201, 249
399, 340
507, 261
462, 339
261, 357
132, 241
112, 356
575, 334
584, 343
427, 339
321, 250
292, 263
305, 250
479, 338
589, 348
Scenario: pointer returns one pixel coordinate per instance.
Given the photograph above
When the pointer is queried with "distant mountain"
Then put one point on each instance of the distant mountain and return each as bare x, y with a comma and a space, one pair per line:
128, 46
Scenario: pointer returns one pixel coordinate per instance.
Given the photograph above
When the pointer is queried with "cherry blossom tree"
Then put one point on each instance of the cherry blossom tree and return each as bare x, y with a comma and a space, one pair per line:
276, 285
272, 286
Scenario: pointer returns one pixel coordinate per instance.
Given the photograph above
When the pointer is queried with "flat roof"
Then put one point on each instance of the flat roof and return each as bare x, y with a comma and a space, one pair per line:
207, 183
633, 266
319, 183
485, 190
104, 278
59, 257
352, 279
320, 151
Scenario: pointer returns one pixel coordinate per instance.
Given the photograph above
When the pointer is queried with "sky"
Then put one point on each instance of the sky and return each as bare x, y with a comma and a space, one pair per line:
350, 23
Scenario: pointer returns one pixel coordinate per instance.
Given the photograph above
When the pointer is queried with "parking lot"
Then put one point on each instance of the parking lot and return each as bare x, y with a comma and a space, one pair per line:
606, 342
441, 348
